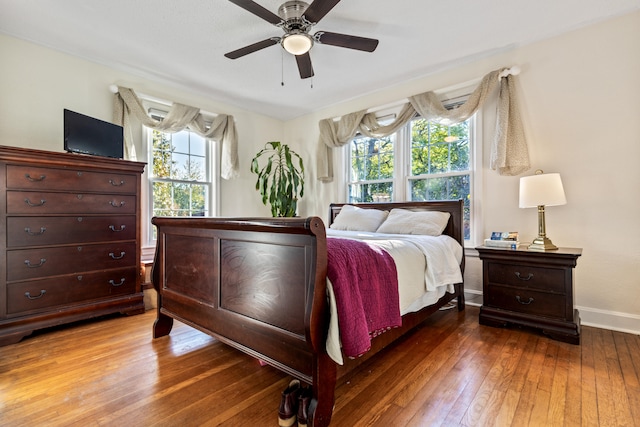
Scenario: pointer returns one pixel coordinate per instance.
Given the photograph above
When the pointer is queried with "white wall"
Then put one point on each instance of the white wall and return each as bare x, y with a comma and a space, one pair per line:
37, 83
580, 95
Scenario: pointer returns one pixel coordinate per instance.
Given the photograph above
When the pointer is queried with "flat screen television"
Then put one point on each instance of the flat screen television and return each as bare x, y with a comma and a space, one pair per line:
87, 135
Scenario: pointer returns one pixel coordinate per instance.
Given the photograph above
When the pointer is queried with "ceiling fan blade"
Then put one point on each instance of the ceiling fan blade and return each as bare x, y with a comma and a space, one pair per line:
258, 10
304, 65
318, 9
345, 40
252, 48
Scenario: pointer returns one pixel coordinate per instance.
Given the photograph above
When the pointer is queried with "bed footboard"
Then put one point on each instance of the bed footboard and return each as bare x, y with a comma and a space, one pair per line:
258, 285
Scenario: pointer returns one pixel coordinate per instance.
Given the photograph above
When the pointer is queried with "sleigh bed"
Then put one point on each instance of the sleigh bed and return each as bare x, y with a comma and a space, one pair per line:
261, 286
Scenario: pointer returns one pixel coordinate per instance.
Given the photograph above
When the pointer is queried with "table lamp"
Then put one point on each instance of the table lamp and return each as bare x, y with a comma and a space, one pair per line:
541, 190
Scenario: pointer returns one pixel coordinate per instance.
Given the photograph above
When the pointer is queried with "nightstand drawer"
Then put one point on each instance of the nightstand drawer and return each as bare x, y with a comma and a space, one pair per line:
523, 276
526, 301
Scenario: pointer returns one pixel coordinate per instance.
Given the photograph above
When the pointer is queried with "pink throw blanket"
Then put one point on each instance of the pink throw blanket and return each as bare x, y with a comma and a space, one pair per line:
365, 284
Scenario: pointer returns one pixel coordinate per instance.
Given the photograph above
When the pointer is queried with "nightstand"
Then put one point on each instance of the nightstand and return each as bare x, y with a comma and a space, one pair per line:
532, 289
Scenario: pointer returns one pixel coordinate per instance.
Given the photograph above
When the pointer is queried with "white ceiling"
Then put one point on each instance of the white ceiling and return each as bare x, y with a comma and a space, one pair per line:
182, 43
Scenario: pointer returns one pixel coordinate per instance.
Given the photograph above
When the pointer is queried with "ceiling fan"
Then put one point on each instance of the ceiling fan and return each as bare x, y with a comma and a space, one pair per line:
296, 19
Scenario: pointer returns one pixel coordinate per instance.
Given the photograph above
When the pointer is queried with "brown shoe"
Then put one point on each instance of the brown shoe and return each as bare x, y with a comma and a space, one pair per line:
303, 406
289, 405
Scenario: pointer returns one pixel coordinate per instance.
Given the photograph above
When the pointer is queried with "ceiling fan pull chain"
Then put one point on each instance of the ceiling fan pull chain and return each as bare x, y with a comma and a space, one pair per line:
281, 67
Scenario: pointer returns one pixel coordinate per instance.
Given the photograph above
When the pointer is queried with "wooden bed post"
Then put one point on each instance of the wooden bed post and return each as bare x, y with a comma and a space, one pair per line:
324, 384
163, 324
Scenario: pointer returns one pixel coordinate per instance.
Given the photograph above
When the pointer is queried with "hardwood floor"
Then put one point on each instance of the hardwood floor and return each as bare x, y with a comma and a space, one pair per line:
450, 372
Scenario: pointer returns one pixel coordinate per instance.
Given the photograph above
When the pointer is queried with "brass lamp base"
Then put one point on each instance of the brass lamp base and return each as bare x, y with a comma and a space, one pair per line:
542, 243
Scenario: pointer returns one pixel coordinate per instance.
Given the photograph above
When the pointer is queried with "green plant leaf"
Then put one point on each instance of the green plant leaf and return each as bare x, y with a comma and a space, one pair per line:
281, 181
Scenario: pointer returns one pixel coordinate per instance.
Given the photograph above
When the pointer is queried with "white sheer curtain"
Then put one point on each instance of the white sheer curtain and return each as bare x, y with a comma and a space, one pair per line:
179, 117
509, 152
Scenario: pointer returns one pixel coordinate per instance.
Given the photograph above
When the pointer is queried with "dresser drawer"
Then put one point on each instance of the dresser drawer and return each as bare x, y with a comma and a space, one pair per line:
63, 290
526, 301
524, 276
26, 264
39, 203
41, 231
40, 178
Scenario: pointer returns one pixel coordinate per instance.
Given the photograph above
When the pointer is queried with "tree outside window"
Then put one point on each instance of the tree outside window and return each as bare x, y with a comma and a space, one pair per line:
372, 169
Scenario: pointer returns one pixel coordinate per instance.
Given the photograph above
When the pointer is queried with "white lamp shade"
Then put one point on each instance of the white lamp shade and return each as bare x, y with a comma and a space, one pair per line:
297, 44
541, 190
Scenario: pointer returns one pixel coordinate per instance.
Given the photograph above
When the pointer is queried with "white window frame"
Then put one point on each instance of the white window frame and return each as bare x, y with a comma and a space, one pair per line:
402, 170
213, 154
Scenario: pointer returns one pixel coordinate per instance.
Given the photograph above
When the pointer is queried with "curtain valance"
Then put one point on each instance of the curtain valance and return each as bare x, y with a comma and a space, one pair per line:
509, 152
179, 117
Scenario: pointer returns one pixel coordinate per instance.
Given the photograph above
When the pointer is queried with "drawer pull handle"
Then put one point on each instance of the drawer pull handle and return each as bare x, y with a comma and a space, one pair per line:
28, 294
522, 302
116, 205
30, 178
529, 277
115, 184
33, 205
113, 256
28, 263
35, 233
112, 283
113, 228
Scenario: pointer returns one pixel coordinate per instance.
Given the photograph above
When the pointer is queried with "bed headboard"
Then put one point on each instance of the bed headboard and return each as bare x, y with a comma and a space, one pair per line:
455, 227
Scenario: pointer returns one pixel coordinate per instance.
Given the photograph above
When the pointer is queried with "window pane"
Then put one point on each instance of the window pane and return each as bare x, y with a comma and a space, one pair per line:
197, 169
437, 148
459, 155
197, 145
198, 198
371, 159
379, 192
445, 188
162, 199
161, 154
180, 166
179, 199
180, 141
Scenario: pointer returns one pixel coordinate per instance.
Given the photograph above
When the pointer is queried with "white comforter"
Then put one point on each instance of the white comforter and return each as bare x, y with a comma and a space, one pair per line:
427, 268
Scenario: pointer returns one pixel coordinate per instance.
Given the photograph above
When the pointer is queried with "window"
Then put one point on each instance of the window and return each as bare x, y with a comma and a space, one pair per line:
372, 169
180, 176
422, 161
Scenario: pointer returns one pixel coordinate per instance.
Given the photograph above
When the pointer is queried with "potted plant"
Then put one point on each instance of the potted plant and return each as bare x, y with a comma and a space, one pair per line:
281, 179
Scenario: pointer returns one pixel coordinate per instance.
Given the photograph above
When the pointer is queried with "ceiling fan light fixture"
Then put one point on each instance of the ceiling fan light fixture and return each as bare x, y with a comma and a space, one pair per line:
297, 43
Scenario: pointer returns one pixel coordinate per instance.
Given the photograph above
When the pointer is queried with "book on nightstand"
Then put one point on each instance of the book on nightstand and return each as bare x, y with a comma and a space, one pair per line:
501, 243
503, 239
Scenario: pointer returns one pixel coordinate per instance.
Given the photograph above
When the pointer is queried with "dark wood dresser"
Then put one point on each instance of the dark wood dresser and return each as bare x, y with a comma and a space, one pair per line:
530, 288
69, 241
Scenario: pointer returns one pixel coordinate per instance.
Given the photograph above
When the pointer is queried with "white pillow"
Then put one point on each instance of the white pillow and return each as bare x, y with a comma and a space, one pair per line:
353, 218
403, 221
